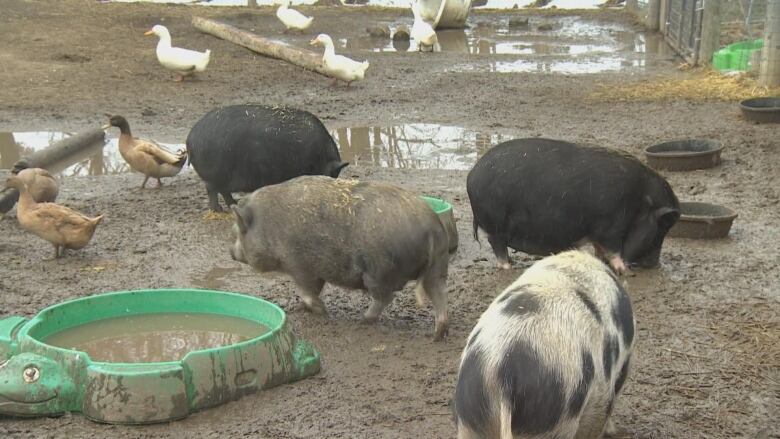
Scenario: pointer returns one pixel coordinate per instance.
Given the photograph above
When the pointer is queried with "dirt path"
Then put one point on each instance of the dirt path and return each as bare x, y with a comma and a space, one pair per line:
708, 325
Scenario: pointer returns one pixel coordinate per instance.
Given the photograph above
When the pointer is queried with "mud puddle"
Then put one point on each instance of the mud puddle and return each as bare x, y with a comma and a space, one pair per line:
415, 146
93, 161
498, 4
215, 278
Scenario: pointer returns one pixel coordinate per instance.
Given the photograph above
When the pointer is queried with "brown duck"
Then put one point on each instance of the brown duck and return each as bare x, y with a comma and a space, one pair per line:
41, 185
60, 225
146, 156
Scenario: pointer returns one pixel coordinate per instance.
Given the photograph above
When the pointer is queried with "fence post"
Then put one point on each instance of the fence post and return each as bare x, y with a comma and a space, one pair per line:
710, 31
769, 75
653, 15
663, 16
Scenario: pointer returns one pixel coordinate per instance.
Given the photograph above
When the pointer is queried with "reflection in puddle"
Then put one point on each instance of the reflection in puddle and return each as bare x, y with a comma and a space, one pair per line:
498, 4
93, 161
572, 36
417, 146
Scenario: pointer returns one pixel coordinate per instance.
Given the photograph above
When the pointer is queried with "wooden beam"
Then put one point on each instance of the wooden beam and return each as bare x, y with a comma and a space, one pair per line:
307, 59
769, 75
55, 158
652, 22
710, 31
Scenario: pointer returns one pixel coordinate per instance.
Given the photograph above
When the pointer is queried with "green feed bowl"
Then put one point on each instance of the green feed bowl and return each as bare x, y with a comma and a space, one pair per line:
38, 379
444, 210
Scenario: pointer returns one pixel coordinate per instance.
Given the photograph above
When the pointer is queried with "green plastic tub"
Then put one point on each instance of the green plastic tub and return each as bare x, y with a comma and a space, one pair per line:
736, 57
37, 379
444, 210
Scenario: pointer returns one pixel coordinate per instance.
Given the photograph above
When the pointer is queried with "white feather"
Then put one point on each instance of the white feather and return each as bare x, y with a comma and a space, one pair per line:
340, 66
177, 59
293, 19
422, 32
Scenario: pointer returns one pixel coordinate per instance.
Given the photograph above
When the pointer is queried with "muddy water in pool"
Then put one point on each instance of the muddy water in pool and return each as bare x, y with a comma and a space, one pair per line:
155, 337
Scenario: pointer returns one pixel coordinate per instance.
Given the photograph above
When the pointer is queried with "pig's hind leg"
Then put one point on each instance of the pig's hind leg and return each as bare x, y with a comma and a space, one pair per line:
310, 289
499, 246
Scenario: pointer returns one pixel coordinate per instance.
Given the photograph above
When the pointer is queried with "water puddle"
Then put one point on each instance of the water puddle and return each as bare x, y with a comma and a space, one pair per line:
93, 161
415, 146
149, 338
498, 4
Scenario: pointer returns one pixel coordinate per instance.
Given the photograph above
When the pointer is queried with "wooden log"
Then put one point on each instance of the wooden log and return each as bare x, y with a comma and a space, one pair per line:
710, 32
55, 158
307, 59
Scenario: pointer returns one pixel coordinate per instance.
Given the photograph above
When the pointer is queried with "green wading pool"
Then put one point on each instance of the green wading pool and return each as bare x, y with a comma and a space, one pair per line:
138, 357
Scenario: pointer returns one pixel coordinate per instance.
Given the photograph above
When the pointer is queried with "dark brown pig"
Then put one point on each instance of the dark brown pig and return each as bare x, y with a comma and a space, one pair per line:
360, 235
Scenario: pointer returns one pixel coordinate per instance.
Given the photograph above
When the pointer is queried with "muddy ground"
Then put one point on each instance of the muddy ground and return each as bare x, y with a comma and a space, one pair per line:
706, 361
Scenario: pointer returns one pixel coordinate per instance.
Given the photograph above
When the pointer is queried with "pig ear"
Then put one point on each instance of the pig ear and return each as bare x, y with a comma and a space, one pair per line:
337, 167
241, 221
667, 216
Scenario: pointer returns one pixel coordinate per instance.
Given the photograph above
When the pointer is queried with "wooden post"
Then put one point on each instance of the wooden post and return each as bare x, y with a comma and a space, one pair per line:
710, 31
632, 6
653, 15
663, 16
769, 76
275, 49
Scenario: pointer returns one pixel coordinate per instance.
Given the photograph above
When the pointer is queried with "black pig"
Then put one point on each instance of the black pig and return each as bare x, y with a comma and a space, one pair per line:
241, 148
543, 196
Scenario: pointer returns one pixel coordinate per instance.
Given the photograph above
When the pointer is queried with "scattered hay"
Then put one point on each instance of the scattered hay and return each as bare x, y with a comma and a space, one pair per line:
702, 85
217, 216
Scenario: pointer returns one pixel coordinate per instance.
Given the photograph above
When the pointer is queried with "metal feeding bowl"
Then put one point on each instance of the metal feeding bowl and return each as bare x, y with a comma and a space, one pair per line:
761, 110
684, 155
703, 221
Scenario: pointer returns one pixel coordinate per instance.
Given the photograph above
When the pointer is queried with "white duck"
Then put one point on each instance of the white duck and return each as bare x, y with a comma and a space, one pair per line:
422, 32
291, 18
185, 62
339, 66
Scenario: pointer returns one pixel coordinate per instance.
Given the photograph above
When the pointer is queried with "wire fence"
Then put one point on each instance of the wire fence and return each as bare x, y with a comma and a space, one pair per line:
742, 20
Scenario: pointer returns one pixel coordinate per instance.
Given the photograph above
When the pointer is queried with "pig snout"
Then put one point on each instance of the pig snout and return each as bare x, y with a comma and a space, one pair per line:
237, 252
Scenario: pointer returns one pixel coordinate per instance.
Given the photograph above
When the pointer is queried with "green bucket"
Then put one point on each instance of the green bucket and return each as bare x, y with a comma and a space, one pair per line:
38, 379
444, 210
736, 57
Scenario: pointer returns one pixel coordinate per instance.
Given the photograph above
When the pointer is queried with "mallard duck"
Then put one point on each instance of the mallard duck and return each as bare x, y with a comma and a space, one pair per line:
145, 156
422, 32
185, 62
41, 185
339, 66
60, 225
291, 18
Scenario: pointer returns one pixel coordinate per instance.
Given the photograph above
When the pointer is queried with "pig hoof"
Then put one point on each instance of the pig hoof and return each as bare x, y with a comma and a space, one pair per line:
441, 334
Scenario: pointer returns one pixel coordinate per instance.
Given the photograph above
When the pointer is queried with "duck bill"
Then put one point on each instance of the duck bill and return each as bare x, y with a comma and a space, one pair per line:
106, 126
313, 42
149, 32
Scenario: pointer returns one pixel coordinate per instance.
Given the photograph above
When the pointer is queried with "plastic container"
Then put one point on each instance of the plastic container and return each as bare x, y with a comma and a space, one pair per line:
761, 110
703, 221
447, 217
684, 155
737, 56
37, 379
445, 14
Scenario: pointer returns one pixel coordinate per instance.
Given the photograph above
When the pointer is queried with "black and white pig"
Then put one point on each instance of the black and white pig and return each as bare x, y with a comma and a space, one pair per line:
241, 148
543, 196
549, 356
360, 235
